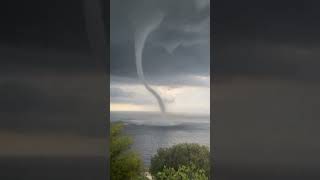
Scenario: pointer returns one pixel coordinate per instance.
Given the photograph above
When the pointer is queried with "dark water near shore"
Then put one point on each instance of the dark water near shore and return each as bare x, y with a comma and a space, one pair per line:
152, 131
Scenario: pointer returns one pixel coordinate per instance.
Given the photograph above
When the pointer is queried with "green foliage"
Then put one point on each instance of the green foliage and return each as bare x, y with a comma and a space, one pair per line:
183, 173
181, 156
141, 177
125, 163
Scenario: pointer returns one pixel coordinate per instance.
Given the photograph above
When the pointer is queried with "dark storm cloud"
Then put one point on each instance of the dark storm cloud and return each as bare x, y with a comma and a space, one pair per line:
267, 38
118, 92
184, 29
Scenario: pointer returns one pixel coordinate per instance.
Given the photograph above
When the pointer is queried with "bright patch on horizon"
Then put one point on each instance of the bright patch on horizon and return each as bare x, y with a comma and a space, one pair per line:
179, 99
130, 107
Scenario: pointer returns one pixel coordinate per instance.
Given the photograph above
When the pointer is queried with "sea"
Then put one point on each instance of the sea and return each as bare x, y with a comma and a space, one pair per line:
151, 131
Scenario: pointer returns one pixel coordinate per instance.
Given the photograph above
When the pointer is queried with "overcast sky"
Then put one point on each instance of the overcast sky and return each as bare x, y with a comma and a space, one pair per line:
176, 57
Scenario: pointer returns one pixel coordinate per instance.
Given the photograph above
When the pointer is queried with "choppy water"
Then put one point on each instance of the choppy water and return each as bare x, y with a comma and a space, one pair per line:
152, 131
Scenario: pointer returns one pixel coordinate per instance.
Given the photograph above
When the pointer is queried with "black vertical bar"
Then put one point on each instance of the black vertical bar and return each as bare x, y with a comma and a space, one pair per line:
97, 27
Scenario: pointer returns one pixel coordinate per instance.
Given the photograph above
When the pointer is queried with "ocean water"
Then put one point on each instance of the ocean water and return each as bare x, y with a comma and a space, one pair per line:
151, 131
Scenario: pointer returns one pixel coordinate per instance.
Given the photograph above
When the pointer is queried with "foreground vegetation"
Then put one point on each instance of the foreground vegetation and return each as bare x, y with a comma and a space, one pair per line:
183, 173
179, 162
124, 163
191, 156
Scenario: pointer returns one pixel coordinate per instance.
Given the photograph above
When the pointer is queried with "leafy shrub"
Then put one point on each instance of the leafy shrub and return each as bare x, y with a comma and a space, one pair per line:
183, 173
125, 163
181, 156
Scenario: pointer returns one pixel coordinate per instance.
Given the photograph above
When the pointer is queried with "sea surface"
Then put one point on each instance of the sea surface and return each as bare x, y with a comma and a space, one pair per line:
151, 131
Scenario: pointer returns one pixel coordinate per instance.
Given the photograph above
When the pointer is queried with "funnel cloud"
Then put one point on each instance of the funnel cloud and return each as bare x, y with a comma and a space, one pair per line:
142, 31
